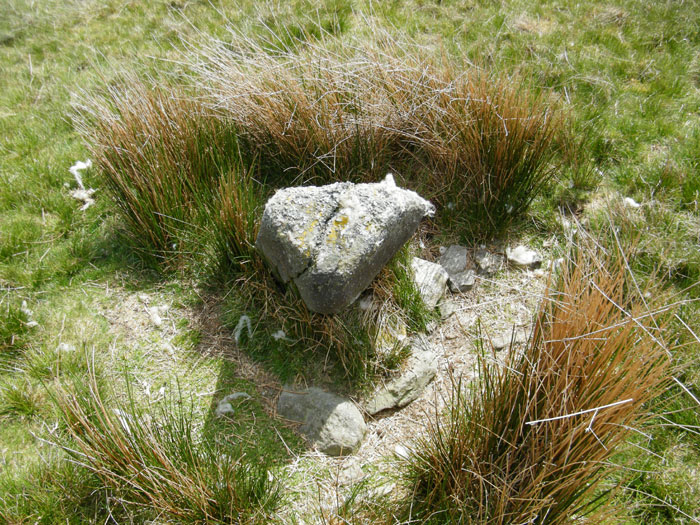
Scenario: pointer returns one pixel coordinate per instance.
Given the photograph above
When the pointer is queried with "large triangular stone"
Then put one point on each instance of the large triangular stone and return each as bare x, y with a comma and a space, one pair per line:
332, 241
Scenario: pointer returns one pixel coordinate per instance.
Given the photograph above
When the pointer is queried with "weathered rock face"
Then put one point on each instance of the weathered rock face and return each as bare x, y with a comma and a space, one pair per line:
332, 241
419, 370
331, 423
487, 263
430, 279
454, 261
524, 257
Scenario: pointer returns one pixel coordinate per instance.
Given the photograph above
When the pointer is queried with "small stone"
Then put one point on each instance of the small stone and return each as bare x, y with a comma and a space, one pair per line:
351, 472
419, 370
487, 263
501, 341
454, 260
225, 406
524, 257
430, 279
331, 423
463, 281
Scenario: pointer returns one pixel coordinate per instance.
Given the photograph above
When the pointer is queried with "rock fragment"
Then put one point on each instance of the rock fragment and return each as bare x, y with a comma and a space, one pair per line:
454, 261
524, 257
487, 263
418, 371
430, 279
331, 423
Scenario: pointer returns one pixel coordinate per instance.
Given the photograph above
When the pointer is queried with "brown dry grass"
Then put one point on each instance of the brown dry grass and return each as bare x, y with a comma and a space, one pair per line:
470, 141
157, 464
595, 343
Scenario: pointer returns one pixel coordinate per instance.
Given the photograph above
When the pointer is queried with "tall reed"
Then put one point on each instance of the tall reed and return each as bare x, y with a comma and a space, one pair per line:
531, 443
157, 462
472, 142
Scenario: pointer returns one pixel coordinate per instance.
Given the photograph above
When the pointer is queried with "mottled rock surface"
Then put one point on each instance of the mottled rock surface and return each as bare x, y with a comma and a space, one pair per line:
487, 263
332, 241
455, 261
419, 370
430, 279
331, 423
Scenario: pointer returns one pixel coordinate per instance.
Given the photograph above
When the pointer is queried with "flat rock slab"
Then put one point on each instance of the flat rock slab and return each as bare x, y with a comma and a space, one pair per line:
418, 371
332, 241
331, 423
430, 279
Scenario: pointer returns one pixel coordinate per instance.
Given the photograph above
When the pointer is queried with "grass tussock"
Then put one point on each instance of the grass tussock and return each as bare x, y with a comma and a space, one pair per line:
191, 167
158, 465
161, 155
462, 137
517, 449
178, 159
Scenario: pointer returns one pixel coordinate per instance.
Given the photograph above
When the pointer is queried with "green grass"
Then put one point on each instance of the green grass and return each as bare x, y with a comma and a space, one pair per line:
626, 74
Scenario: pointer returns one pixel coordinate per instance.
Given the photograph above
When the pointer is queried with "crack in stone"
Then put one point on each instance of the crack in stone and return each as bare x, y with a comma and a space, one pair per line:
318, 240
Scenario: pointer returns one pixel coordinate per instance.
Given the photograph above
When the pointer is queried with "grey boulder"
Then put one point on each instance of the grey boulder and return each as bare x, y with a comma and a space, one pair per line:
418, 371
430, 279
331, 423
333, 240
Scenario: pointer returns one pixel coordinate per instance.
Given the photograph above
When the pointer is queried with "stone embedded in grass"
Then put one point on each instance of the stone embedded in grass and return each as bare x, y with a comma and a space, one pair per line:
487, 263
524, 257
418, 371
331, 423
333, 240
503, 340
454, 261
430, 279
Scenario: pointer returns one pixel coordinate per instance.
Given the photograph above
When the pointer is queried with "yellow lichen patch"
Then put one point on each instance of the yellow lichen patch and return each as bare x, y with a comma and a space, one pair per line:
337, 227
301, 239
